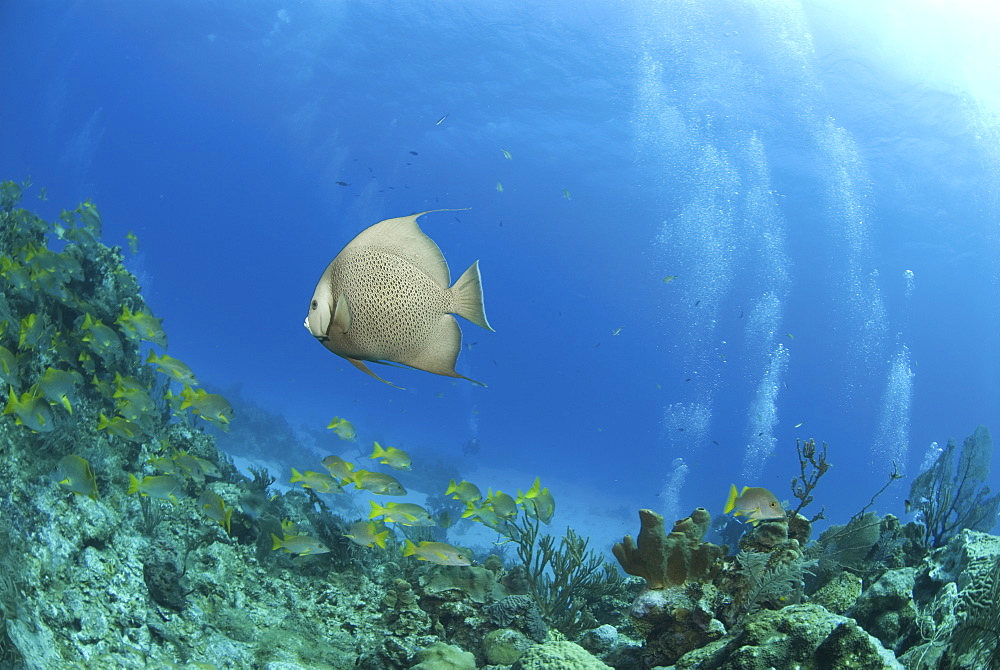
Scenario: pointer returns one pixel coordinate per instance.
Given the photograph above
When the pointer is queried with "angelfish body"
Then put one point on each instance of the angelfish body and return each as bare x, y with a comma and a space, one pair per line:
387, 298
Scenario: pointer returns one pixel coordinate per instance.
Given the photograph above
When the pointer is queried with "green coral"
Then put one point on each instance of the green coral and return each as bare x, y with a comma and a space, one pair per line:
504, 646
561, 655
442, 656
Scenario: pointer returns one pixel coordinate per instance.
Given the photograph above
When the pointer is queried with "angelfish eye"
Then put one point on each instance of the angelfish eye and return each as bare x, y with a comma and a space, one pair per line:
313, 304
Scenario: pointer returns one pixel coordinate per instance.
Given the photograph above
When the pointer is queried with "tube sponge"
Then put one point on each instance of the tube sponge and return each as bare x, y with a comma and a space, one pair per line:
670, 559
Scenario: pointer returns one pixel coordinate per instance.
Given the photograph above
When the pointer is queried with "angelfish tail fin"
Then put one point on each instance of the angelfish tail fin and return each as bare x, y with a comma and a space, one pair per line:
467, 294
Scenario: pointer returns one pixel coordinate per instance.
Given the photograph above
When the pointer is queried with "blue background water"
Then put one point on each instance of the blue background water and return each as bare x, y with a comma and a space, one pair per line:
789, 162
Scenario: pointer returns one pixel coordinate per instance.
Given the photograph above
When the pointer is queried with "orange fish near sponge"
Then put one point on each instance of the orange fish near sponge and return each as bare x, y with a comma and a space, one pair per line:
755, 503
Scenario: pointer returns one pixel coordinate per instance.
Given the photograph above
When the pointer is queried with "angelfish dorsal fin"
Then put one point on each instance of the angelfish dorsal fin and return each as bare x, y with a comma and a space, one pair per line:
402, 237
342, 314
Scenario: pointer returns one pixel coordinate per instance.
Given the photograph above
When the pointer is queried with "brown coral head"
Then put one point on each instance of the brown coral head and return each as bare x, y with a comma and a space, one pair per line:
765, 536
799, 528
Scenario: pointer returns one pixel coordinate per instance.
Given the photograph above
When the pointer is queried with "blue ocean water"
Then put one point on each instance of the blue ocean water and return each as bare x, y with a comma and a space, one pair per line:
723, 226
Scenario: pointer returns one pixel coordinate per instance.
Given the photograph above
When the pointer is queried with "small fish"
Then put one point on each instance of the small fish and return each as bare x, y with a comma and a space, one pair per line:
339, 468
669, 278
8, 365
484, 514
142, 325
437, 552
133, 242
164, 464
386, 298
89, 216
101, 339
798, 425
121, 427
397, 459
75, 474
30, 410
755, 503
406, 514
303, 545
368, 534
343, 428
132, 400
215, 508
466, 491
342, 183
566, 194
537, 502
790, 336
87, 363
59, 386
317, 481
210, 406
33, 332
506, 154
441, 120
616, 331
499, 187
504, 505
161, 487
414, 153
378, 483
194, 466
173, 368
15, 273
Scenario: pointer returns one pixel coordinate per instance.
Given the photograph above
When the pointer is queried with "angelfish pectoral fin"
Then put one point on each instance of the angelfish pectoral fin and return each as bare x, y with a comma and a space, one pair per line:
342, 315
360, 365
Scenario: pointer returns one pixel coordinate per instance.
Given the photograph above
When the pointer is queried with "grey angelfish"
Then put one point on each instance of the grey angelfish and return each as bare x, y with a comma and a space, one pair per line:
386, 298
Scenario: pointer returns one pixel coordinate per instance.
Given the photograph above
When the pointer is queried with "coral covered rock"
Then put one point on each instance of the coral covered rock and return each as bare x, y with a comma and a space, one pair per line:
558, 656
674, 621
504, 646
441, 656
839, 594
886, 608
800, 636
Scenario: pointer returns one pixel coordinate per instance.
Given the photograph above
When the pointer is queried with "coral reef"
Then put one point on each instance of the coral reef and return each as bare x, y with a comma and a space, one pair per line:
129, 540
801, 636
